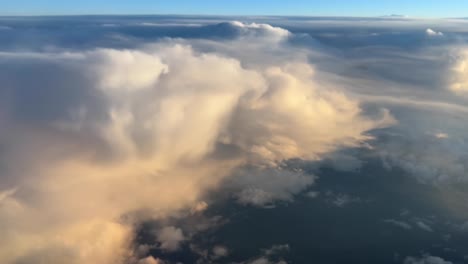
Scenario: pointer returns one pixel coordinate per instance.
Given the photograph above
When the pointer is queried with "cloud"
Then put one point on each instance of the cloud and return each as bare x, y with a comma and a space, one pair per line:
199, 207
312, 194
441, 135
426, 260
431, 159
342, 199
277, 249
126, 69
433, 33
97, 141
170, 238
459, 70
150, 260
239, 30
401, 224
424, 226
101, 241
269, 254
264, 30
145, 119
427, 144
263, 260
220, 251
293, 100
262, 187
217, 30
142, 149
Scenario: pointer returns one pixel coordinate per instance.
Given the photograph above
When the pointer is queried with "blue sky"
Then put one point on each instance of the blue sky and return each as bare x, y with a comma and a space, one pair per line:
418, 8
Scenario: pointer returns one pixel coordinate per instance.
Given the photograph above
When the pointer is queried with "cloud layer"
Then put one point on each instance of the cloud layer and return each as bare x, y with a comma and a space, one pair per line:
96, 141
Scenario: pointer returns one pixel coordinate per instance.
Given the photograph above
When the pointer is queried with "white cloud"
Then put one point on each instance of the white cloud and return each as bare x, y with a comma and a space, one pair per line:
401, 224
424, 226
262, 187
426, 260
220, 251
295, 101
199, 207
441, 135
342, 199
274, 251
150, 260
170, 238
263, 30
433, 33
260, 260
127, 69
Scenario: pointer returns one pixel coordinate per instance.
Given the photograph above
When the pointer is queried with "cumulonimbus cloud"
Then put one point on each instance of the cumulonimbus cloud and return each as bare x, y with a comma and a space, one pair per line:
114, 137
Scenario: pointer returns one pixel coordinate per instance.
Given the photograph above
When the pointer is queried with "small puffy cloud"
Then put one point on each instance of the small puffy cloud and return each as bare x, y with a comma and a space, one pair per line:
264, 30
263, 33
220, 251
262, 187
401, 224
268, 255
342, 199
170, 238
277, 249
424, 226
260, 260
441, 135
343, 161
199, 207
426, 260
255, 196
432, 33
150, 260
312, 194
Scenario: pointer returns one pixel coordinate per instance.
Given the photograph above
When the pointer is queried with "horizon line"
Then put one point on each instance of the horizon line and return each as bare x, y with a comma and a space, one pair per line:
393, 16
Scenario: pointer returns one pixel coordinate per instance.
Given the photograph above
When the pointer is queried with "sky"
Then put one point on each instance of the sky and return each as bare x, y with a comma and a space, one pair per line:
416, 8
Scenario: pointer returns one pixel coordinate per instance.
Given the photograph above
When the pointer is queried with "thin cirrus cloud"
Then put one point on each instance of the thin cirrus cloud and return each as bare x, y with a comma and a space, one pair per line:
96, 141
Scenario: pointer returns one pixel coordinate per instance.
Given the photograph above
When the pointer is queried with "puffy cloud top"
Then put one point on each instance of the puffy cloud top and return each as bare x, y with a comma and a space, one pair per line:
264, 30
432, 33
